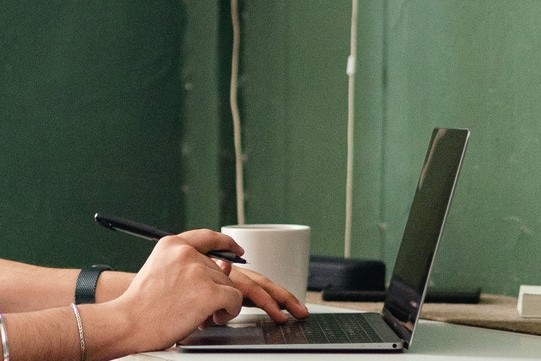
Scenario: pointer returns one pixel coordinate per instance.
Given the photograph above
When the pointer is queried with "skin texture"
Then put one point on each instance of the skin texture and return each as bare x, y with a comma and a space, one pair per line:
177, 290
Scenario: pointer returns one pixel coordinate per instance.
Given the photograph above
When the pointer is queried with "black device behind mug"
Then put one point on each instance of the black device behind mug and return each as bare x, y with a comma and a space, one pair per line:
345, 274
432, 296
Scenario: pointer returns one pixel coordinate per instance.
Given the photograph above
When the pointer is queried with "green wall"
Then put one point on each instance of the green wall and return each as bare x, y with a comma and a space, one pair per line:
90, 120
421, 64
124, 108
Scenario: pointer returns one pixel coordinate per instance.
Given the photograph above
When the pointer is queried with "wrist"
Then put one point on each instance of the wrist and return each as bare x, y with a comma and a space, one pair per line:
112, 284
105, 322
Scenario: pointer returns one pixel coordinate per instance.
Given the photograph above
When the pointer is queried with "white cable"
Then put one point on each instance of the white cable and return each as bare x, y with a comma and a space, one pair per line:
351, 69
235, 112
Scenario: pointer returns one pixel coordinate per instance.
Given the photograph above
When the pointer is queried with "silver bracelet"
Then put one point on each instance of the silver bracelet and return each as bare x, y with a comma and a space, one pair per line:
80, 329
4, 337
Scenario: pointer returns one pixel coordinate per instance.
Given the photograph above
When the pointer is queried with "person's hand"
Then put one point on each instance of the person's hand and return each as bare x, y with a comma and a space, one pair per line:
179, 288
261, 292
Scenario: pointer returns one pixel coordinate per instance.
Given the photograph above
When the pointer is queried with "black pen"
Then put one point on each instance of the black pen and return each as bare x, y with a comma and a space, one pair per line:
147, 232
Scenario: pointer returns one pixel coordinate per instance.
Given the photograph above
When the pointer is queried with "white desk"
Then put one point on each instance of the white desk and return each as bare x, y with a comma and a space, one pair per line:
432, 341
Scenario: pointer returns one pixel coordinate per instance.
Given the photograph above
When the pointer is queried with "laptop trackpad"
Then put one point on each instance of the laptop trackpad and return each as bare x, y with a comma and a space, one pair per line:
242, 330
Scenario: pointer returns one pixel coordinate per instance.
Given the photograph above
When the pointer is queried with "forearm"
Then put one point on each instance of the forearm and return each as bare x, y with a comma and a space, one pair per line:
25, 287
53, 334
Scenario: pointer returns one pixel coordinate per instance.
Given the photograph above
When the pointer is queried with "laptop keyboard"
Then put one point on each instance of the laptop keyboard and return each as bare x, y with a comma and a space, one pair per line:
321, 329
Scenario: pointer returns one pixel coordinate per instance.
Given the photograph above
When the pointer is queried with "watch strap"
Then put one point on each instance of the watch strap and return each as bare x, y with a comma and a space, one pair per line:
85, 287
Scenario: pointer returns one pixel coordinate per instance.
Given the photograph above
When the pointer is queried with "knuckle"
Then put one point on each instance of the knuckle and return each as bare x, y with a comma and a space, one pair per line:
169, 241
186, 251
174, 247
205, 232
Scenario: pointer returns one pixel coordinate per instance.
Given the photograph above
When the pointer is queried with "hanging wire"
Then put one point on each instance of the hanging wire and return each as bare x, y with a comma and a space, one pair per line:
351, 69
239, 168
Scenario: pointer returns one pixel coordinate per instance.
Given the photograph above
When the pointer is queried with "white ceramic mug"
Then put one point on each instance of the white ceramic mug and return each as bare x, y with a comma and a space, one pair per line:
280, 252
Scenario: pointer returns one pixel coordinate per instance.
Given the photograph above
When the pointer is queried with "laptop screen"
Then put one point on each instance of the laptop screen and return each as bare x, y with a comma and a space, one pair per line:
423, 229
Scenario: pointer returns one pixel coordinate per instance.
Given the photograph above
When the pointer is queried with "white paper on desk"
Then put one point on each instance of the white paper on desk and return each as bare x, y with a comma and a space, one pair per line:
529, 301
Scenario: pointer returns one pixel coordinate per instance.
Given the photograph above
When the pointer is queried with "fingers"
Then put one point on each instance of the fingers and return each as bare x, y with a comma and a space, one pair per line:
175, 245
259, 297
225, 266
205, 240
267, 295
233, 307
233, 298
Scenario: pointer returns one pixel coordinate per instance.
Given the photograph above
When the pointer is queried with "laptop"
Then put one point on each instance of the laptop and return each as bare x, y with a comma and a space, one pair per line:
392, 329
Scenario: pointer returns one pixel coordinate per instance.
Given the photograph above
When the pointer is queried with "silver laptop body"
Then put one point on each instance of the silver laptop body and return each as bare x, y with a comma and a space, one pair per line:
394, 327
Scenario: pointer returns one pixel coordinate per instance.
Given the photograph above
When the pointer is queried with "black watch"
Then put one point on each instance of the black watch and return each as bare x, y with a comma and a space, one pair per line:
85, 287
